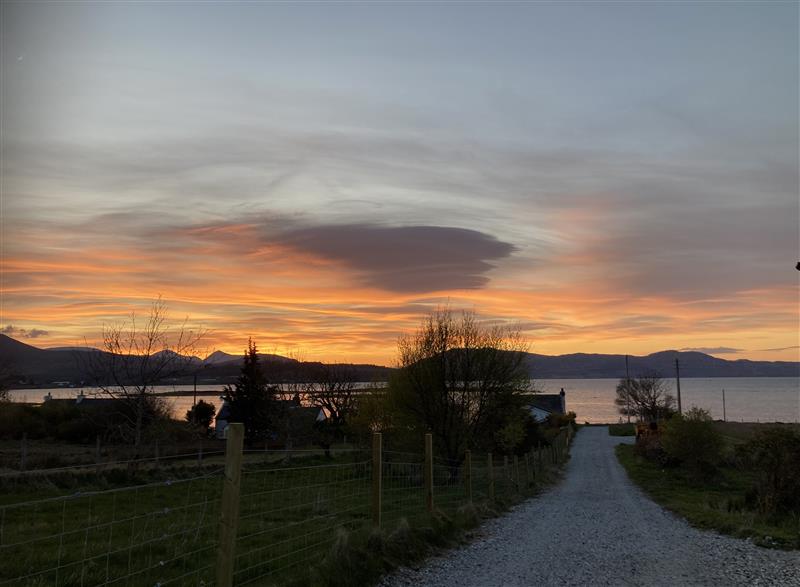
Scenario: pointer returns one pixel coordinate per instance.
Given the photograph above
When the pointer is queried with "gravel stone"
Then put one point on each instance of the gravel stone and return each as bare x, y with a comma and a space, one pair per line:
598, 528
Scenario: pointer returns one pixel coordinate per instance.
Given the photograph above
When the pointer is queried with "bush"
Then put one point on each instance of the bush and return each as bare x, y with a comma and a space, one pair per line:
561, 420
201, 414
692, 441
18, 419
774, 454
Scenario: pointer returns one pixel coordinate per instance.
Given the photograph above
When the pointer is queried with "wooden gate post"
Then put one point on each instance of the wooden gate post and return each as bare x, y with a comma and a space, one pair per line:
377, 477
229, 514
429, 471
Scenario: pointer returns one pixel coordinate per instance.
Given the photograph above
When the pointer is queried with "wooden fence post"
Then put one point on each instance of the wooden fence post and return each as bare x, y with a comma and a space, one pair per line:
468, 474
490, 473
97, 450
505, 467
23, 452
229, 515
429, 471
377, 477
527, 468
157, 455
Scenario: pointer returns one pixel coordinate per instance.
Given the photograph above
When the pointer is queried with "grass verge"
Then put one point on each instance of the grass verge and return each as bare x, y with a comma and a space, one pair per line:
718, 504
362, 556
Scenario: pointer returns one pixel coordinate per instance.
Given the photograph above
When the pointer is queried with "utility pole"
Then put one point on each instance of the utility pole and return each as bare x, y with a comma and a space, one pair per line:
627, 389
724, 414
678, 379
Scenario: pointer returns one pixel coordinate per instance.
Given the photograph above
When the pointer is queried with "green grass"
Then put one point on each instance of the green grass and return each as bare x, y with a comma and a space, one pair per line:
298, 520
717, 504
628, 429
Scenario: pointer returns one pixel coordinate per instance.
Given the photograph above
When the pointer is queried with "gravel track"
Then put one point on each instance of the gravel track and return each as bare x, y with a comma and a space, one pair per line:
597, 528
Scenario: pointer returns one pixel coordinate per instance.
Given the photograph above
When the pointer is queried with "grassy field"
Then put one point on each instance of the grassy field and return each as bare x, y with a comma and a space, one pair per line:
159, 525
717, 504
622, 429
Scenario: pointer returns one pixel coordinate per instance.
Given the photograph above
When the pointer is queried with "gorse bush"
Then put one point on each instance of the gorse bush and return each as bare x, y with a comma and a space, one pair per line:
774, 454
691, 441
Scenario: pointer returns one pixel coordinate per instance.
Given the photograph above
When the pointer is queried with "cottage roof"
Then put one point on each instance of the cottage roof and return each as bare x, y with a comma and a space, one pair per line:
548, 402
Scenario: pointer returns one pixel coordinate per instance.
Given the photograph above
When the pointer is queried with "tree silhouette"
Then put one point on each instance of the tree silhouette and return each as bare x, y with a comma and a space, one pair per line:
251, 399
645, 397
460, 380
137, 356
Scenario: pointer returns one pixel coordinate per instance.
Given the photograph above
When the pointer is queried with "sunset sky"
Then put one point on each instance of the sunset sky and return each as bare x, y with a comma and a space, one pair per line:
616, 178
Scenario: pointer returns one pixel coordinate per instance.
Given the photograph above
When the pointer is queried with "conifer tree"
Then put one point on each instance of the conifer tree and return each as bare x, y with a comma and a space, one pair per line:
252, 399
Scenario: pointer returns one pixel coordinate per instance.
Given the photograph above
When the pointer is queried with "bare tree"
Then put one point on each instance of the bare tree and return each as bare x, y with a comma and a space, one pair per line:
332, 388
460, 380
136, 356
646, 397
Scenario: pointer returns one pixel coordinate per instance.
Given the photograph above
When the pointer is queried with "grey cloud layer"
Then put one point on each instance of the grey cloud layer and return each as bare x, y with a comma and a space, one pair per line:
405, 258
695, 225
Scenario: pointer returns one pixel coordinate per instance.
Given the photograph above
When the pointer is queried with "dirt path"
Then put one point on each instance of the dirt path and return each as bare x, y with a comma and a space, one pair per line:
597, 528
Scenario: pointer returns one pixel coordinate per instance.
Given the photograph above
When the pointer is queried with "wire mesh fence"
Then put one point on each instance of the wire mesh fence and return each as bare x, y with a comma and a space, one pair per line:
289, 508
289, 516
155, 533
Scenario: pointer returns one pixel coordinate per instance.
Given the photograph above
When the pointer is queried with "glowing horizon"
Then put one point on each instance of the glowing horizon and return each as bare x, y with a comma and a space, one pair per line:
611, 178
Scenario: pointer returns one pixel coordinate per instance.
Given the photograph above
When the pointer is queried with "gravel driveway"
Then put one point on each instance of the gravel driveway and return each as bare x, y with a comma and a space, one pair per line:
597, 528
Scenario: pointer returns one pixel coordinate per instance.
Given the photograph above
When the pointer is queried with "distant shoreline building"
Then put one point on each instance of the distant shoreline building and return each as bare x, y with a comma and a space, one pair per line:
543, 405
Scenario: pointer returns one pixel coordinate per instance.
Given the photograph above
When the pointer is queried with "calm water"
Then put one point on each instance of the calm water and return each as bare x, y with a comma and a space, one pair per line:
749, 399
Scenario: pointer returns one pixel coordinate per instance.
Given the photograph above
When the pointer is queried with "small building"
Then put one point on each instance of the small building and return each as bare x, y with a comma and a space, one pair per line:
543, 405
299, 422
222, 419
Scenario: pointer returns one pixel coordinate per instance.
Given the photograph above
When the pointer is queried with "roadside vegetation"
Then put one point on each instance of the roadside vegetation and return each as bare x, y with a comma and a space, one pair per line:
736, 479
627, 429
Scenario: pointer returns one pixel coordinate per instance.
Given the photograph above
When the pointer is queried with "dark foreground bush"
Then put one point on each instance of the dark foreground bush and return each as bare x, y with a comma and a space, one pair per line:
691, 441
774, 455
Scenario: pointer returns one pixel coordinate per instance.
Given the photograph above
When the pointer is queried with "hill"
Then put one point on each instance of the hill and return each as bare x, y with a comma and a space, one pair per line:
35, 367
692, 364
41, 367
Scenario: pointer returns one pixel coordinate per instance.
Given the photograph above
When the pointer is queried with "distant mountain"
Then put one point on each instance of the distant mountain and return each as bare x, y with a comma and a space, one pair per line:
169, 354
692, 364
221, 357
33, 364
72, 348
218, 357
40, 367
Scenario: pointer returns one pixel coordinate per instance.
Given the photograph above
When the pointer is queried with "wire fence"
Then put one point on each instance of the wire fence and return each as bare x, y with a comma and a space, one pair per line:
154, 533
265, 518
